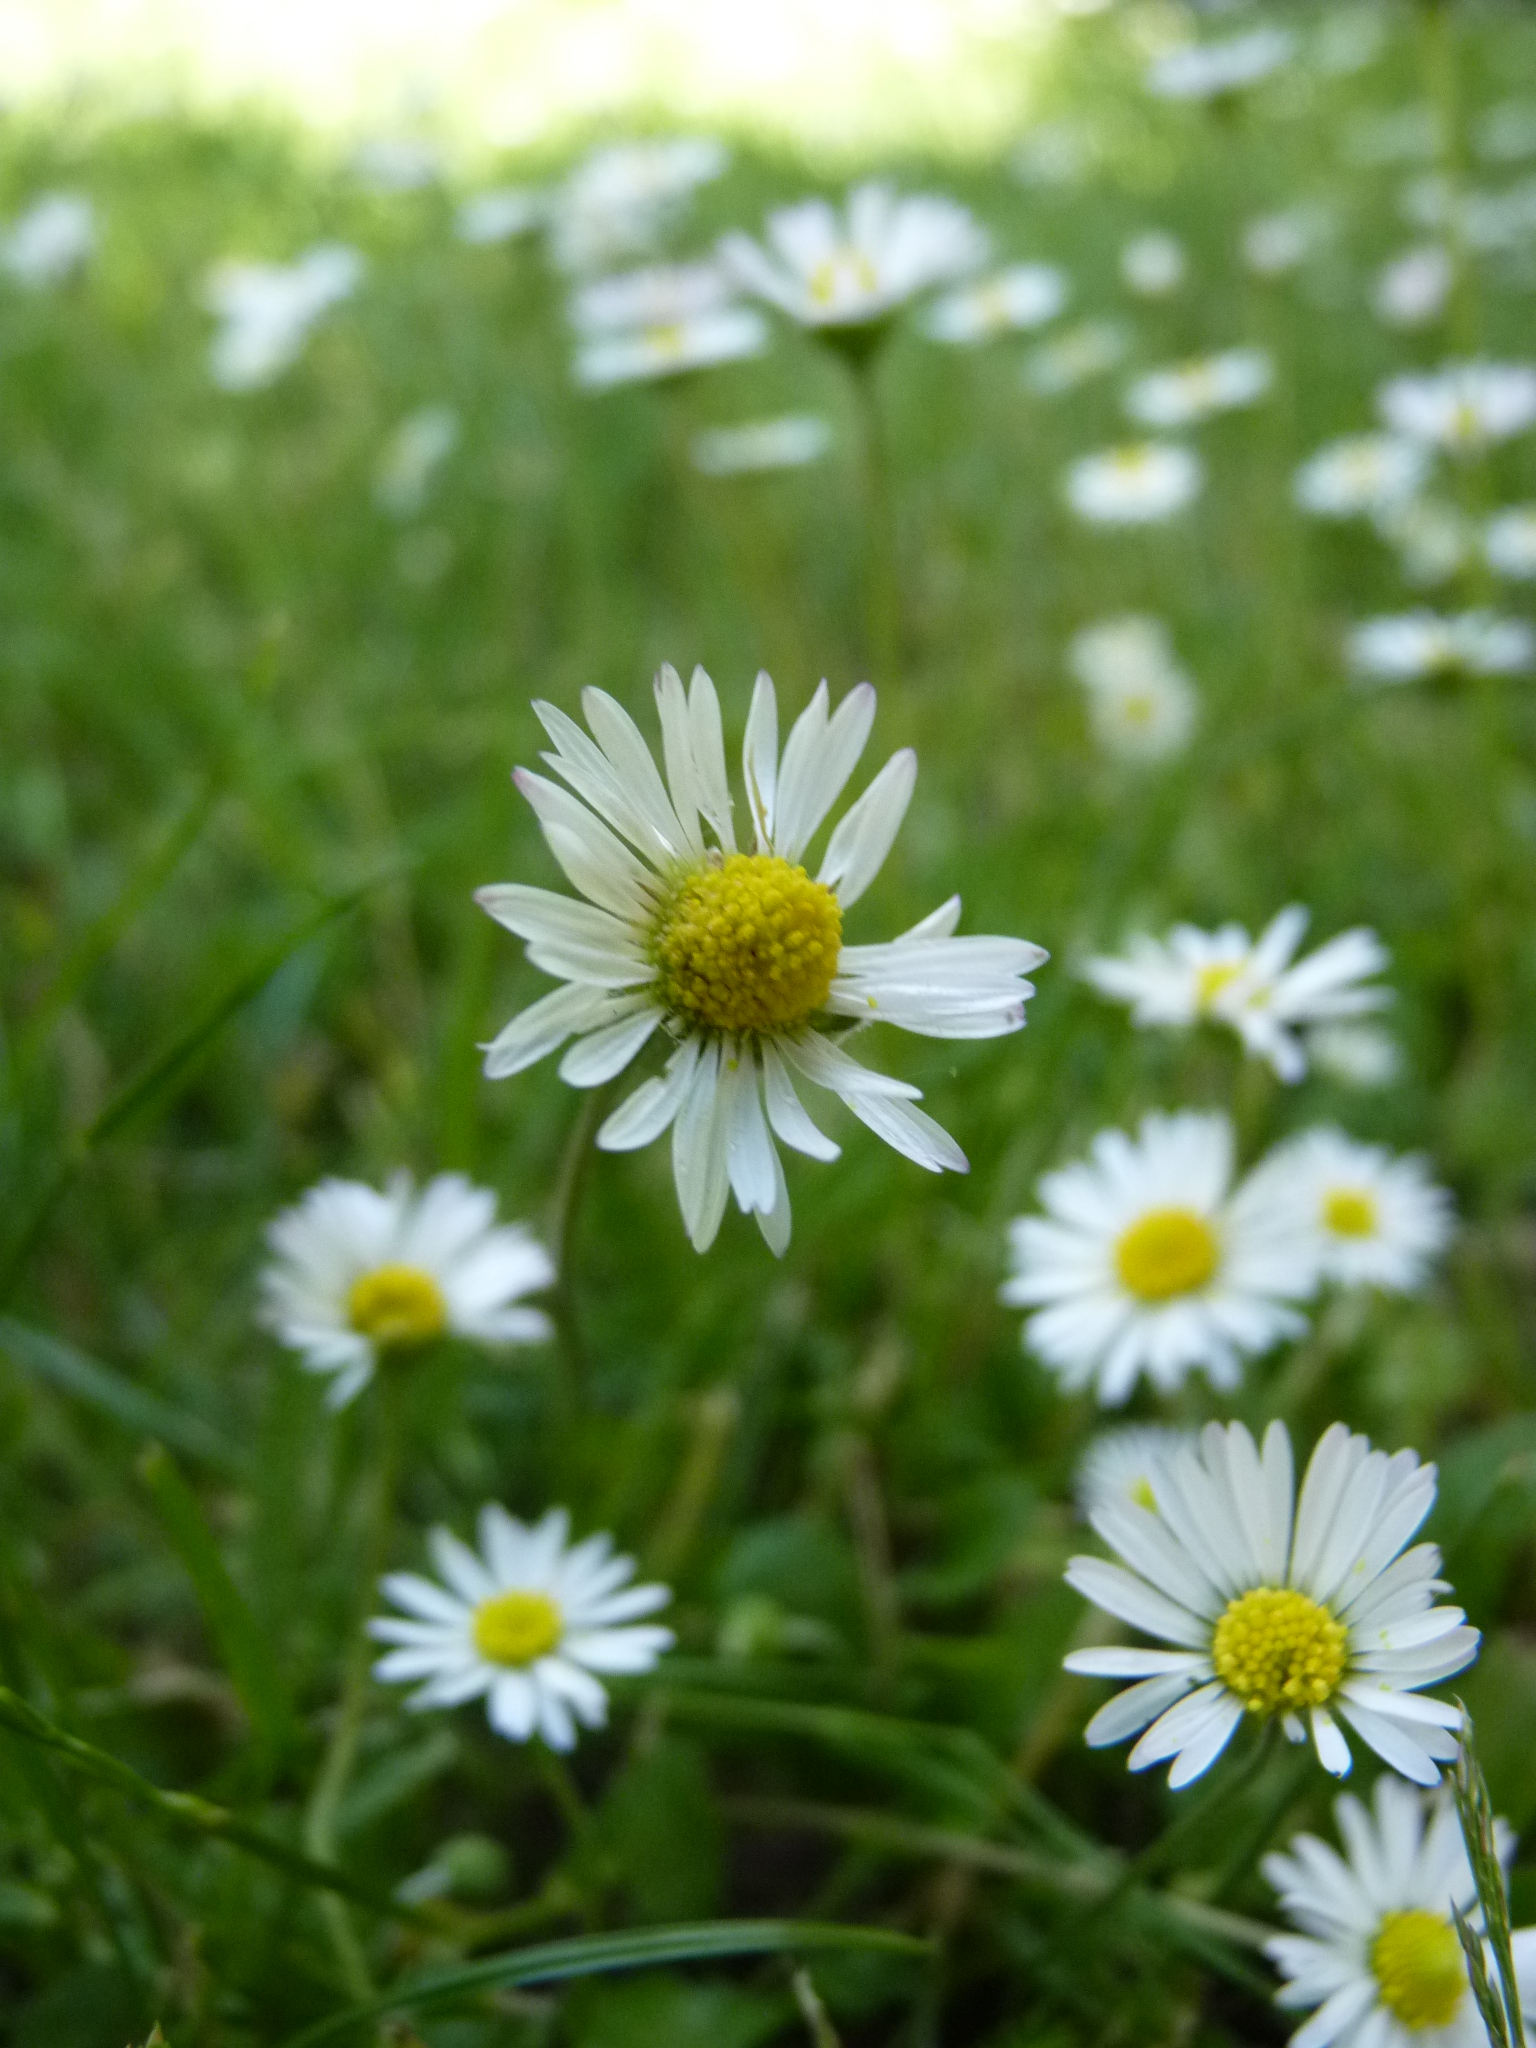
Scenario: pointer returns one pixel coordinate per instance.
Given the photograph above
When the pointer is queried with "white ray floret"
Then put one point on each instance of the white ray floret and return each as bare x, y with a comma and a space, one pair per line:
1510, 543
358, 1272
617, 200
789, 441
1413, 288
49, 240
1118, 1464
530, 1623
1216, 70
1373, 1219
1024, 296
1148, 1263
1140, 483
737, 956
1153, 264
1187, 393
1309, 1612
267, 311
1376, 1960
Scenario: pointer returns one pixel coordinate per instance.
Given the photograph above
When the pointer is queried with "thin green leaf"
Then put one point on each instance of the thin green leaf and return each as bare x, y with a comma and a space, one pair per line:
55, 1364
591, 1955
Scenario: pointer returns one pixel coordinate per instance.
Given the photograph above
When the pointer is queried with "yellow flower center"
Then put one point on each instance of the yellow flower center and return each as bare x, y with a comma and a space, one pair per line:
1137, 709
1165, 1253
1143, 1496
1466, 422
748, 944
1350, 1212
667, 340
517, 1628
844, 267
1279, 1650
1130, 462
1419, 1969
1210, 981
397, 1305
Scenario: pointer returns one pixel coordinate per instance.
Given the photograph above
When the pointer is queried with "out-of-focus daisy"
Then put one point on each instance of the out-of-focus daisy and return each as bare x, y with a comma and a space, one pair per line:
1013, 300
1274, 244
397, 163
1373, 1219
659, 295
417, 449
1360, 474
1141, 702
1309, 1612
1186, 393
1147, 1262
789, 442
529, 1623
660, 322
500, 214
1072, 358
1434, 539
738, 956
1209, 71
1153, 264
1510, 542
1356, 1055
855, 268
1118, 1464
1506, 131
1378, 1961
357, 1272
1408, 647
1462, 406
616, 202
1256, 987
267, 311
1413, 288
1058, 154
1137, 484
50, 240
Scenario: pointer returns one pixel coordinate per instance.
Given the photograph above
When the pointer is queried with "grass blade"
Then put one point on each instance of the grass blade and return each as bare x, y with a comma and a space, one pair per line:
68, 1371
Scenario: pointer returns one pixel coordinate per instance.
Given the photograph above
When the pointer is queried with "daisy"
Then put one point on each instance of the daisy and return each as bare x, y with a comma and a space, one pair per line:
1357, 1055
789, 442
1409, 647
1510, 542
1276, 243
1153, 264
1413, 288
1147, 1261
50, 241
1189, 392
1083, 352
1254, 986
524, 1623
1378, 1961
1209, 71
644, 354
1434, 540
737, 956
1141, 702
417, 449
1360, 474
1138, 484
500, 215
1306, 1612
267, 311
1461, 407
616, 202
1373, 1220
1117, 1467
855, 270
1023, 296
358, 1273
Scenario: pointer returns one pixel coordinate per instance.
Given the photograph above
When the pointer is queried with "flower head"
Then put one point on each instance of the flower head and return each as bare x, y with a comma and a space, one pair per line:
737, 955
1188, 393
1275, 243
1510, 543
267, 311
661, 321
1141, 701
1148, 1262
1139, 484
1072, 358
50, 240
357, 1273
1373, 1220
1360, 474
1309, 1612
417, 449
1118, 1464
1153, 264
616, 202
1461, 407
1413, 288
1408, 647
527, 1623
1023, 296
1208, 71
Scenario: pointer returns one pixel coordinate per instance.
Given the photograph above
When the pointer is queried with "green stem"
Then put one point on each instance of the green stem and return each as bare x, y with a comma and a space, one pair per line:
882, 622
1193, 1818
564, 1214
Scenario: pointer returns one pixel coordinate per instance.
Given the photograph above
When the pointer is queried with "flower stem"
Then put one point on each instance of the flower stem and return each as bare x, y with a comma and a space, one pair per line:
882, 623
564, 1214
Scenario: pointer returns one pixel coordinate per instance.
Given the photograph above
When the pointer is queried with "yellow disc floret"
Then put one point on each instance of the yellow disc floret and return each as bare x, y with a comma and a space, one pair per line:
1350, 1212
1279, 1651
1166, 1252
517, 1628
397, 1305
1212, 980
845, 267
1417, 1962
750, 944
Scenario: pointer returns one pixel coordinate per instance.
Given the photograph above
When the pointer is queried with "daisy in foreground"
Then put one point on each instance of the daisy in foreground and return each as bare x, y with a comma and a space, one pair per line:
358, 1273
1377, 1961
1309, 1612
1373, 1220
524, 1623
1148, 1262
738, 956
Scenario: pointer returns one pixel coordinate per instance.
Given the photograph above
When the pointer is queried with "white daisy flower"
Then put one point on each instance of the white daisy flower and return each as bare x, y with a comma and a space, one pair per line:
1256, 987
1118, 1464
1378, 1962
1358, 1055
1013, 300
1413, 288
393, 164
657, 295
1137, 484
1374, 1220
1186, 393
1274, 244
738, 956
1408, 647
1153, 264
1460, 407
500, 214
268, 310
1141, 702
1510, 543
1208, 71
644, 354
1360, 474
50, 240
856, 269
1081, 353
528, 1624
616, 202
789, 442
415, 452
1434, 540
358, 1273
1309, 1613
1148, 1262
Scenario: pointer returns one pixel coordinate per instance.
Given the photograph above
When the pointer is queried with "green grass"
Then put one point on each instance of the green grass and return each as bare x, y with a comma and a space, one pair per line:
255, 739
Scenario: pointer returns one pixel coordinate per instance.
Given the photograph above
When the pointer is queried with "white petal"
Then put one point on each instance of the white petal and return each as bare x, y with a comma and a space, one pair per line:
818, 764
602, 1054
760, 759
865, 833
647, 1113
787, 1113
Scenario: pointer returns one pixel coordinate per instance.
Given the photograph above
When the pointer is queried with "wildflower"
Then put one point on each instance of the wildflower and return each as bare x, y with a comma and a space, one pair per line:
1310, 1614
1434, 540
1373, 1220
1210, 71
1118, 1464
1510, 542
1362, 473
785, 443
1378, 1960
527, 1623
1461, 407
1023, 296
737, 955
1141, 702
1153, 264
1357, 1055
416, 450
269, 309
358, 1273
500, 214
1256, 987
856, 270
1138, 484
1190, 392
1413, 288
51, 240
392, 164
660, 322
1408, 647
1147, 1262
616, 202
1072, 358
